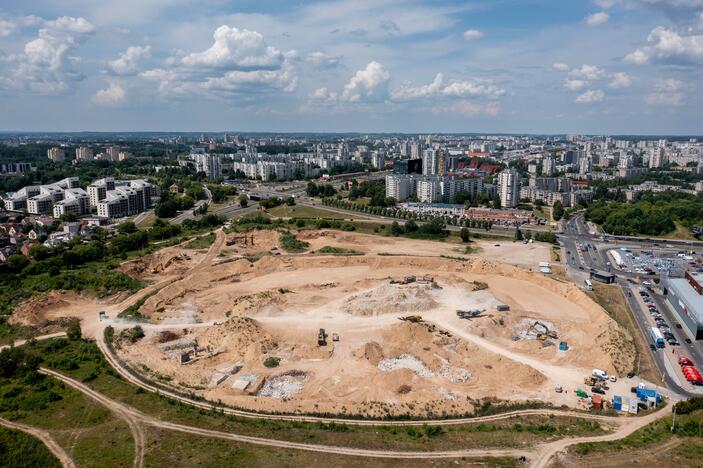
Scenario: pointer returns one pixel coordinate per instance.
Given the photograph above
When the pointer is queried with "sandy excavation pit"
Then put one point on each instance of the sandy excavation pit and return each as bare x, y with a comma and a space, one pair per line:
271, 309
240, 323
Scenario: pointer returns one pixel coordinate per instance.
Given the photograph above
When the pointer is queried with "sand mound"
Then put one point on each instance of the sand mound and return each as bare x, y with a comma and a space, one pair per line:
170, 261
389, 299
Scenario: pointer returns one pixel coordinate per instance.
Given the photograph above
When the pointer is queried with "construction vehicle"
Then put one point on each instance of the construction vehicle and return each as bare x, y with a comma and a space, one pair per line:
558, 389
542, 331
322, 338
469, 314
411, 318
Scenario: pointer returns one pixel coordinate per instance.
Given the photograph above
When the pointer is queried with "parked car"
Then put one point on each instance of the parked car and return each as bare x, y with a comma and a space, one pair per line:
687, 340
678, 325
598, 390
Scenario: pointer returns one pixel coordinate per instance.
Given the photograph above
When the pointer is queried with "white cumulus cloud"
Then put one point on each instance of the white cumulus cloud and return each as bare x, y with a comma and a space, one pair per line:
590, 96
112, 96
46, 64
440, 88
7, 28
128, 61
560, 66
588, 72
369, 84
471, 34
236, 49
620, 80
665, 45
597, 19
575, 85
322, 61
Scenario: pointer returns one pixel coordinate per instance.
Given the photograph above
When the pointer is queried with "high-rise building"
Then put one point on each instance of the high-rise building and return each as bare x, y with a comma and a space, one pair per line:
509, 188
113, 153
56, 154
429, 162
210, 164
548, 167
84, 153
657, 157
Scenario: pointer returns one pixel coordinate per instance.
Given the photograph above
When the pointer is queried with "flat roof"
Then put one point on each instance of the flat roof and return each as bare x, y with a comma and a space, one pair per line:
689, 295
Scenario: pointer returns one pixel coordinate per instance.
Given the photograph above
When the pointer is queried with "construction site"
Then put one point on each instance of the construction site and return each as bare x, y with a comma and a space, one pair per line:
401, 328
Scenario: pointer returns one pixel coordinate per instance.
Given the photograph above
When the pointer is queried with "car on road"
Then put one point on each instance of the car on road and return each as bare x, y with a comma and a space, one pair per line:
687, 340
678, 325
652, 347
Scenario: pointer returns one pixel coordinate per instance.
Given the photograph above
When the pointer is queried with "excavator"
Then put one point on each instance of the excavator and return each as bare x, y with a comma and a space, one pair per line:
542, 331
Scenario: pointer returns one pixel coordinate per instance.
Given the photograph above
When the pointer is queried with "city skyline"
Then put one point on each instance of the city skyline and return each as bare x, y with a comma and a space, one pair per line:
540, 67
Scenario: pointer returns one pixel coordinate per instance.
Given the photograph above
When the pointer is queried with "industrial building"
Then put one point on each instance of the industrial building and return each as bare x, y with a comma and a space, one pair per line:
685, 298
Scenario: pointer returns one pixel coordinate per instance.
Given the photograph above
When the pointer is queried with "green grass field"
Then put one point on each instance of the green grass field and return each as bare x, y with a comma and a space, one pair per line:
300, 211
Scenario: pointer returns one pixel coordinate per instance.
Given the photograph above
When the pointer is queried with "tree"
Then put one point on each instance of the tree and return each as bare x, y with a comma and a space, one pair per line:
127, 227
396, 230
557, 210
464, 234
16, 263
518, 234
411, 226
243, 201
73, 330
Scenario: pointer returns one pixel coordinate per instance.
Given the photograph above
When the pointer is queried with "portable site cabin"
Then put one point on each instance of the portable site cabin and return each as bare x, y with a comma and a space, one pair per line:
617, 402
633, 406
645, 393
597, 402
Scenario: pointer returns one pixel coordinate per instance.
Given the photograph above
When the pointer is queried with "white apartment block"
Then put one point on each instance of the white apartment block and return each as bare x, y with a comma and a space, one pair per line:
84, 154
429, 189
39, 199
75, 200
547, 197
509, 188
126, 198
210, 164
56, 154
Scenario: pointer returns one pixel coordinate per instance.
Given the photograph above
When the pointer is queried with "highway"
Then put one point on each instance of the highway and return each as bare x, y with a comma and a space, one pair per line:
578, 265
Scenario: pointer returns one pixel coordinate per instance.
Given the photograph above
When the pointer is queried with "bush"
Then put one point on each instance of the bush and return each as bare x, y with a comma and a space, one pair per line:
272, 361
290, 243
73, 330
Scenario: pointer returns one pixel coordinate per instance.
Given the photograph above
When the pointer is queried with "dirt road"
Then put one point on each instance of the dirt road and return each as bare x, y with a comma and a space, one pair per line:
45, 437
132, 418
540, 457
129, 413
37, 338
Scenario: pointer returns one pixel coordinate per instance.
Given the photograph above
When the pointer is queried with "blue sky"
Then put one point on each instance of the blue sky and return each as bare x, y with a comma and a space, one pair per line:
542, 66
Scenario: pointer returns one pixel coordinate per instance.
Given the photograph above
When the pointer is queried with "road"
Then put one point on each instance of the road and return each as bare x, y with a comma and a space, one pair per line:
578, 265
188, 214
36, 338
45, 437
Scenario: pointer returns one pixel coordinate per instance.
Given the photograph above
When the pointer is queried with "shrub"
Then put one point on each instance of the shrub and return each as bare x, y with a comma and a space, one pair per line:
272, 361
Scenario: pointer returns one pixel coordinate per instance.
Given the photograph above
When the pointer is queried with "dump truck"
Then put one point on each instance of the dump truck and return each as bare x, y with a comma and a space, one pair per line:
469, 314
322, 337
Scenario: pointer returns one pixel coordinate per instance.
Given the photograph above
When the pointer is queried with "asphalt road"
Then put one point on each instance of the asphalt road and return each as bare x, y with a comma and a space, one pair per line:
578, 266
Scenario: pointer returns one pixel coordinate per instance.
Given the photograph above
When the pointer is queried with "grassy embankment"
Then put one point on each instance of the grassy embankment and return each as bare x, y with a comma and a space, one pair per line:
613, 301
80, 425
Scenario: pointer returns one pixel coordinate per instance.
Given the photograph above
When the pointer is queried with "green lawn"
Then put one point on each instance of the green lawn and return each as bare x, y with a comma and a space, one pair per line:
300, 211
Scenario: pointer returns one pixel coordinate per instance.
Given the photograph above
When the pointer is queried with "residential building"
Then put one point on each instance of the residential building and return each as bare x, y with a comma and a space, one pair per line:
84, 153
429, 162
56, 154
509, 188
75, 200
210, 164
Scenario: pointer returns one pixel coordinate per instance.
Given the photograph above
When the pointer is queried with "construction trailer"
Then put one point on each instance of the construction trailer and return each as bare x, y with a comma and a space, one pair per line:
502, 308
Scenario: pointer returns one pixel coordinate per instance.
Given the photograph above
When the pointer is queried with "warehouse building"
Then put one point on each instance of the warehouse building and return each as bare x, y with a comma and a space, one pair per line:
685, 297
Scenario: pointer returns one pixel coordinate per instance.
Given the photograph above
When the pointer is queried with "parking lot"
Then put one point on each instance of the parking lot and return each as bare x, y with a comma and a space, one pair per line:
645, 262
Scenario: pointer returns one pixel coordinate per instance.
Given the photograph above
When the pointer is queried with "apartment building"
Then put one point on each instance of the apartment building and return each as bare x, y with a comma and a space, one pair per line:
75, 200
56, 154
